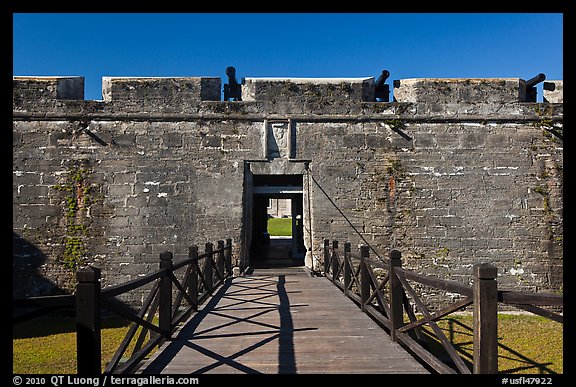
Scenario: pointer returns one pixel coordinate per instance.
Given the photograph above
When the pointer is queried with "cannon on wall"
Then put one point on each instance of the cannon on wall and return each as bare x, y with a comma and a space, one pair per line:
381, 89
232, 89
531, 91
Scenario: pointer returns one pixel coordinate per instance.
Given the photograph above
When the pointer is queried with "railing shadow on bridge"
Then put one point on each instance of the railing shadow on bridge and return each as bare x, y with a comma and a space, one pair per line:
390, 297
225, 304
169, 302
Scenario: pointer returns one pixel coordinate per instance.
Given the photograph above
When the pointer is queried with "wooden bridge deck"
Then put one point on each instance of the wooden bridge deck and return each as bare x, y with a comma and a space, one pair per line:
280, 321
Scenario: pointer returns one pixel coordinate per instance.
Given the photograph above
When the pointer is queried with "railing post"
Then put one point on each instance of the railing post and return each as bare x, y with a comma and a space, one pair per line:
220, 261
396, 293
364, 276
347, 273
88, 337
335, 262
485, 313
326, 256
208, 274
193, 287
228, 256
165, 304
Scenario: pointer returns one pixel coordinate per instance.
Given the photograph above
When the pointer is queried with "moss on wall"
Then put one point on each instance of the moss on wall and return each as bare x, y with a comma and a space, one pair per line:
79, 197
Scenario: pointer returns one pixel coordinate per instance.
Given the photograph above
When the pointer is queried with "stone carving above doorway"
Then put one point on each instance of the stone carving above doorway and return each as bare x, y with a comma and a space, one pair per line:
279, 139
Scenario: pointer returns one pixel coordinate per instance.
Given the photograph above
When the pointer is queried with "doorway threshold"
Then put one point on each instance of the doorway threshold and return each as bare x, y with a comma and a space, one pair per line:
280, 270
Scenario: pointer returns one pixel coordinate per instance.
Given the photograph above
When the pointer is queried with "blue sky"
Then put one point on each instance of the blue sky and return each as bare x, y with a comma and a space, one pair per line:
339, 45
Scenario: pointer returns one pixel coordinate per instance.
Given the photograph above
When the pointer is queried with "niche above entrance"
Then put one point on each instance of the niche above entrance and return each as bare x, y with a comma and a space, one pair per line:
279, 139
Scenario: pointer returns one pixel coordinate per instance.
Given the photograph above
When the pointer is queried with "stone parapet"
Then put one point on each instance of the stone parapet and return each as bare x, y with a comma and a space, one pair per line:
45, 88
326, 90
554, 91
164, 90
458, 90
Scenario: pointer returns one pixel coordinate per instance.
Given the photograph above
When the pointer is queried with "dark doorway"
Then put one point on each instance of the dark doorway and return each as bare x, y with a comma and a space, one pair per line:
285, 248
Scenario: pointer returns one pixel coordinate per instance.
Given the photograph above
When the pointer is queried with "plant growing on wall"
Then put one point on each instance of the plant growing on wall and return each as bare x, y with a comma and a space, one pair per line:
395, 124
76, 207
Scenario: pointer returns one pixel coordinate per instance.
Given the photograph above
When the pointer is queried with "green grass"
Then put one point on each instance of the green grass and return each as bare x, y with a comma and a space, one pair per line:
280, 226
527, 344
48, 345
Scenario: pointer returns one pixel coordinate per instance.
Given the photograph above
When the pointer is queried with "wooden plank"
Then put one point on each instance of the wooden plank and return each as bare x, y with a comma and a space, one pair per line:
377, 263
448, 285
377, 315
430, 359
59, 300
437, 315
541, 312
116, 290
513, 297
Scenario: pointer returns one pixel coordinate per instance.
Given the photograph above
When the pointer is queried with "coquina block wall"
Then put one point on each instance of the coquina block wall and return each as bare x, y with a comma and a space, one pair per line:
454, 172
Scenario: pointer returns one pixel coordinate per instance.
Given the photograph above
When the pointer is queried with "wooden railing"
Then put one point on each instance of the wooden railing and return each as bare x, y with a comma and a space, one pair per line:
386, 296
28, 308
169, 302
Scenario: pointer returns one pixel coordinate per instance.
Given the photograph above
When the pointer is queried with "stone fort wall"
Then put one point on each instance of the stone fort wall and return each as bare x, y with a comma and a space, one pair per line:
453, 172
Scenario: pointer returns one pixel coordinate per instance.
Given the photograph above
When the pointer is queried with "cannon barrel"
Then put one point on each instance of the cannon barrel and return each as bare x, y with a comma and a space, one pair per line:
536, 80
231, 73
232, 89
381, 89
382, 78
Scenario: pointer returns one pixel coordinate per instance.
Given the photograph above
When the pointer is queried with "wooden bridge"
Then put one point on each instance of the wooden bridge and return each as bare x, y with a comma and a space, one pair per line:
284, 321
358, 315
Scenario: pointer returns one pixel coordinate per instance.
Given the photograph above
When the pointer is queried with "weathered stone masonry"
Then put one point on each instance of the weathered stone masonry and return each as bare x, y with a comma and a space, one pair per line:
455, 172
